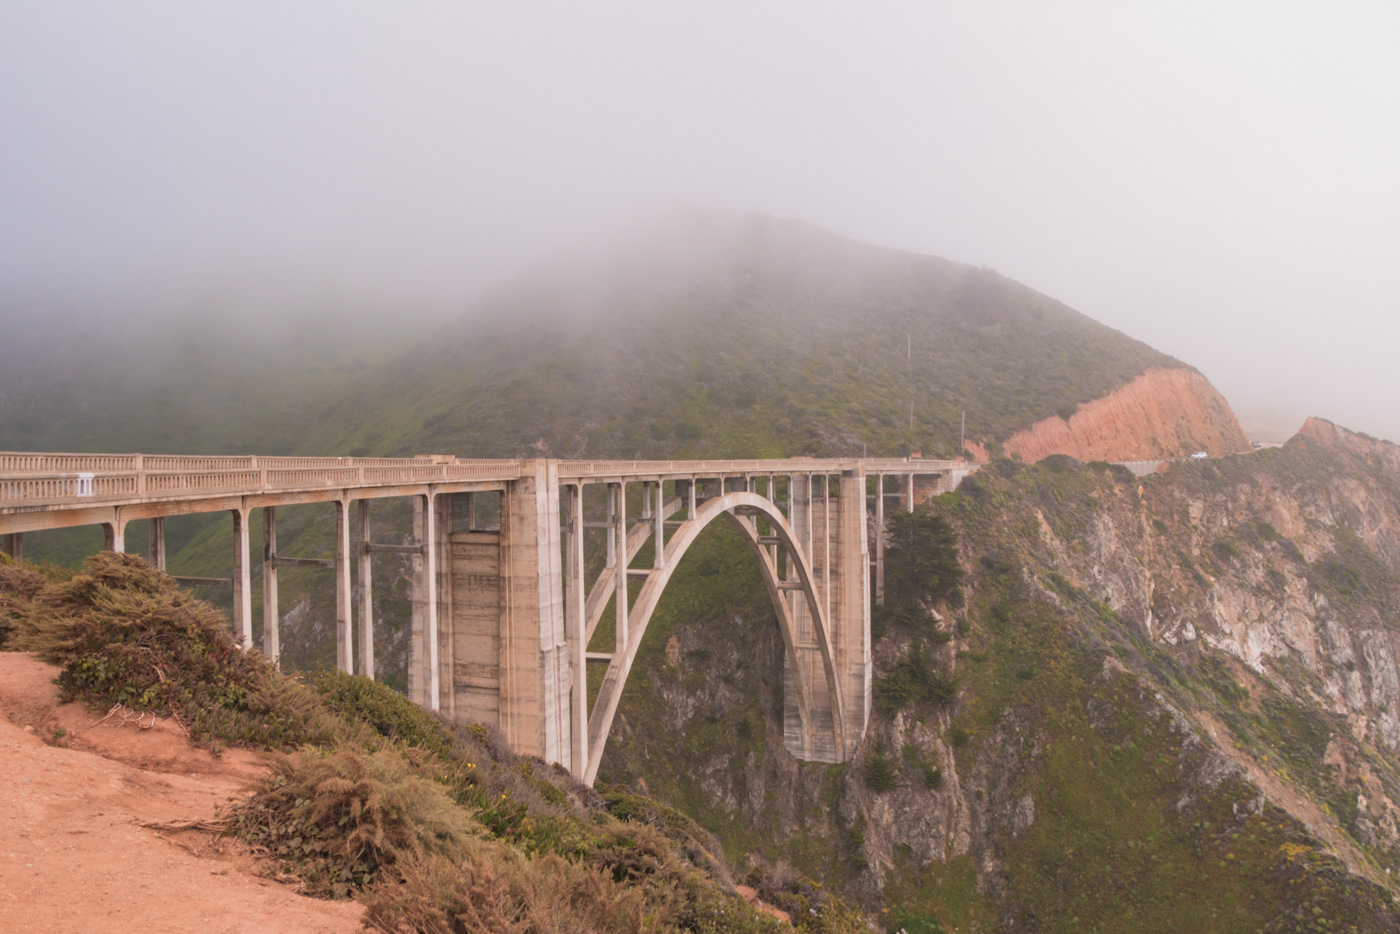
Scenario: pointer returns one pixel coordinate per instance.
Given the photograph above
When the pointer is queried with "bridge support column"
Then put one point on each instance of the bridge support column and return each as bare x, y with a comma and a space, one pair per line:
242, 579
831, 531
272, 629
850, 621
344, 635
366, 592
13, 545
535, 715
880, 539
618, 545
611, 560
424, 678
812, 740
658, 529
155, 548
575, 631
114, 534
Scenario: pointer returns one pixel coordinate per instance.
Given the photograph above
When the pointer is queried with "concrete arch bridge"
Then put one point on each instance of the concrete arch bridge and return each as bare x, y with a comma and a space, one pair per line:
504, 610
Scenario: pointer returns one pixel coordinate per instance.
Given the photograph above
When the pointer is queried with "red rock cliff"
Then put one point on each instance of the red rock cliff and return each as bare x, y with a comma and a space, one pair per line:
1162, 413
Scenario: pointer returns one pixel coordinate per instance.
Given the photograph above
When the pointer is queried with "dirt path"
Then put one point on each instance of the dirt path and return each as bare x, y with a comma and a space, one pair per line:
75, 792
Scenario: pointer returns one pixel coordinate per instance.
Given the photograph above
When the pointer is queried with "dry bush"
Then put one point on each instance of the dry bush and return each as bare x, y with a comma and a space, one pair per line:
338, 818
493, 889
19, 584
125, 633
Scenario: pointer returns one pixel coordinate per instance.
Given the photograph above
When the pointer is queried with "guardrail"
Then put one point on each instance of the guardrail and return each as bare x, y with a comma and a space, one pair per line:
581, 469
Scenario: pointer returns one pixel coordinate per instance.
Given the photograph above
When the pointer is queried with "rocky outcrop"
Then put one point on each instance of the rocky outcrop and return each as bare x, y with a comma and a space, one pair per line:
1213, 651
1164, 413
1288, 563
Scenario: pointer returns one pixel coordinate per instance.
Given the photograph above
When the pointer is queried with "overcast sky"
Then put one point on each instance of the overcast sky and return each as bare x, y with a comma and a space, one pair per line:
1219, 179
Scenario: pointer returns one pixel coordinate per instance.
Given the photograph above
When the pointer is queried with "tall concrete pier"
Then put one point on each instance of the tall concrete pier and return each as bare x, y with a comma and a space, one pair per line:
505, 611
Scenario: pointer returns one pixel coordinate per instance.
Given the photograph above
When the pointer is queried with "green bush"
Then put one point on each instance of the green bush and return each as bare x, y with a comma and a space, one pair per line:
390, 713
912, 680
124, 633
19, 584
921, 561
881, 772
492, 888
338, 818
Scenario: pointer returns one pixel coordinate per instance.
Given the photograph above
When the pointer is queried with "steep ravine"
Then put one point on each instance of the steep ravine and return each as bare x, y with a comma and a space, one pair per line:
1175, 709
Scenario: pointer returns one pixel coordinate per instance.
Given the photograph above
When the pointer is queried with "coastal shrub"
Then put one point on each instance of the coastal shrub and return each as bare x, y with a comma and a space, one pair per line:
921, 561
913, 680
19, 584
390, 713
881, 771
124, 633
491, 888
337, 818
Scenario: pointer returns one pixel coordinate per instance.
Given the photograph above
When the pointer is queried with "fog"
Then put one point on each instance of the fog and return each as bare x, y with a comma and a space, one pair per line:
1219, 180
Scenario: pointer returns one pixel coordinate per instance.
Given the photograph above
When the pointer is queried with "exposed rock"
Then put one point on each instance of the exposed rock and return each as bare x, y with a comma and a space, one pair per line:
1164, 413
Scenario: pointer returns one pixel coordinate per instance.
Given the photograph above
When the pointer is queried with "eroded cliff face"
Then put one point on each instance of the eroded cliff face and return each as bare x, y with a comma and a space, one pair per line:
1288, 562
1172, 696
1164, 413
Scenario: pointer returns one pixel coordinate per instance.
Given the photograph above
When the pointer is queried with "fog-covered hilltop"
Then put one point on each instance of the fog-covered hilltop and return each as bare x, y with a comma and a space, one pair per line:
739, 335
704, 335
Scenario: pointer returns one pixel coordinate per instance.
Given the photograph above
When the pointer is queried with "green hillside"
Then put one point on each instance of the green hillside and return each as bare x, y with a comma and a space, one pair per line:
737, 336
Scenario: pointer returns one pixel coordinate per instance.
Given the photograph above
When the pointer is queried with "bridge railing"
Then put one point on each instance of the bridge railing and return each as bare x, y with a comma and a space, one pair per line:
613, 468
38, 480
582, 469
67, 463
59, 490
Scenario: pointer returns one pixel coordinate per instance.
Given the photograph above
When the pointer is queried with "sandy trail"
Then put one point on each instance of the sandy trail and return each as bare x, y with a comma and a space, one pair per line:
74, 854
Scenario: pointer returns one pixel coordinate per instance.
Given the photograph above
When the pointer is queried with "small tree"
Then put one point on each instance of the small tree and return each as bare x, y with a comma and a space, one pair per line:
921, 561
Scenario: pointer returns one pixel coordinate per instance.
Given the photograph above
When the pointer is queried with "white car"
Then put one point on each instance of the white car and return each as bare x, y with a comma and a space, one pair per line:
1199, 455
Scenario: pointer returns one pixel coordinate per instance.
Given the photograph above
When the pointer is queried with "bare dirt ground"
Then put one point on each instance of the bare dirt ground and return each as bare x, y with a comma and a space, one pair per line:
77, 792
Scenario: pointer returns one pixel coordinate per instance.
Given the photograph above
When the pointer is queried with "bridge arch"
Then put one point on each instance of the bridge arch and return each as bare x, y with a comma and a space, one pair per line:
742, 508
